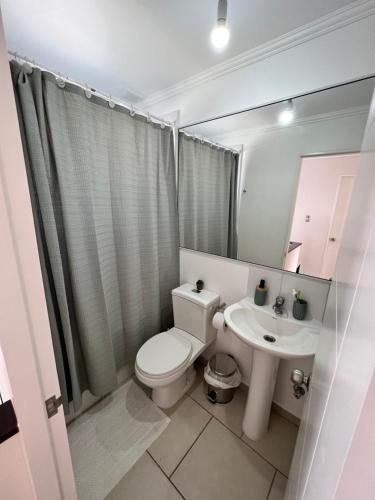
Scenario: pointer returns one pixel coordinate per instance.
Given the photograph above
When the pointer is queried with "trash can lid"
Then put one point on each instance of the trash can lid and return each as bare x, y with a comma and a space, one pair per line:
223, 365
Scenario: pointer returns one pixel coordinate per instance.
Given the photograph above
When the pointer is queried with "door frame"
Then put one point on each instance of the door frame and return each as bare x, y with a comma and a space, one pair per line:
337, 194
298, 177
25, 337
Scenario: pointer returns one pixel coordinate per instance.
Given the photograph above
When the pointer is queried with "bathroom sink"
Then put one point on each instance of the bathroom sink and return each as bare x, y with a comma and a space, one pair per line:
273, 338
279, 336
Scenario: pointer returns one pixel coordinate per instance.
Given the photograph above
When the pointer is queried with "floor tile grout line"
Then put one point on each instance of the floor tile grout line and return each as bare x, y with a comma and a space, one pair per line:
213, 417
240, 438
165, 475
282, 473
250, 447
261, 456
271, 485
188, 451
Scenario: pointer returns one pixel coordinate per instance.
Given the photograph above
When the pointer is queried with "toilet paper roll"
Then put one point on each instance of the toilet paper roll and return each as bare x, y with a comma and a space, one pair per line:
218, 321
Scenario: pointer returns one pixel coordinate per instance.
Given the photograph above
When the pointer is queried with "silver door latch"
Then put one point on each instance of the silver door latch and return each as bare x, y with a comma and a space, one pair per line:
52, 405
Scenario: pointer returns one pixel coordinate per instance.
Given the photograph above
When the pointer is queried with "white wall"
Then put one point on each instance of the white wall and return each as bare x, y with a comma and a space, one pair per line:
316, 196
360, 459
338, 56
344, 364
271, 166
234, 280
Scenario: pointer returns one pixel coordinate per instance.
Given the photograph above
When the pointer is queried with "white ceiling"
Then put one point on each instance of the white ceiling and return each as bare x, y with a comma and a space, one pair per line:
144, 45
355, 96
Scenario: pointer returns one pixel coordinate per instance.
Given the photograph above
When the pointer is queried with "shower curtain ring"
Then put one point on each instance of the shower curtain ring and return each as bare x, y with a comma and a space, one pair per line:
111, 104
88, 92
132, 112
60, 81
148, 118
28, 69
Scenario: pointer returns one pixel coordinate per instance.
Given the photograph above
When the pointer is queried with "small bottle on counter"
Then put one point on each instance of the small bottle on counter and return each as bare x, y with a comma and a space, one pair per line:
260, 293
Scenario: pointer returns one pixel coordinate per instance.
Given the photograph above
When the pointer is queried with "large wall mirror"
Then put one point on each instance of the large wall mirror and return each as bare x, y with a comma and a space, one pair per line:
272, 185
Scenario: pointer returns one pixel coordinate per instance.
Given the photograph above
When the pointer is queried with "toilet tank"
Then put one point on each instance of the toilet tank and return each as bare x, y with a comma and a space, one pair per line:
193, 312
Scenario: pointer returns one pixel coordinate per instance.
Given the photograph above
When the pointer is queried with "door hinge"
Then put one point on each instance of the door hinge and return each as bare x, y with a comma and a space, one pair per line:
52, 405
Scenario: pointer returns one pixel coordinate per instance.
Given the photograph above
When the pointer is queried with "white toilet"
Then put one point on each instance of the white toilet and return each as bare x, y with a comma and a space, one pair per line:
165, 361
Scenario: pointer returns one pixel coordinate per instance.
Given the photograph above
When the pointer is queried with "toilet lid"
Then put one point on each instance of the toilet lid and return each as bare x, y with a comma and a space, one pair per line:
163, 354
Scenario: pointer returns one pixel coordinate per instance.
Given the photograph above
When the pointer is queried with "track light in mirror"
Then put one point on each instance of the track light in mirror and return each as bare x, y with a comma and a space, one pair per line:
286, 116
220, 34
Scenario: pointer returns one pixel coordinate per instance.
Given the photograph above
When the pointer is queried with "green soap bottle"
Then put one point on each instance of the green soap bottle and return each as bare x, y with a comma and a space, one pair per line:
260, 293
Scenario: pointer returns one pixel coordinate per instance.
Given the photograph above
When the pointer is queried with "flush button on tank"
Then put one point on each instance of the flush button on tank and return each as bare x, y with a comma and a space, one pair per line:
198, 286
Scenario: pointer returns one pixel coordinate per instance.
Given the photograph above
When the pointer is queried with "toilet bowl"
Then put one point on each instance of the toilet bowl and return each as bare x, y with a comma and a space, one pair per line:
165, 362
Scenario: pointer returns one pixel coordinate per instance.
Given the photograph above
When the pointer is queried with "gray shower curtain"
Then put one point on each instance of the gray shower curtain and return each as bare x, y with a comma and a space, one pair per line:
207, 200
103, 191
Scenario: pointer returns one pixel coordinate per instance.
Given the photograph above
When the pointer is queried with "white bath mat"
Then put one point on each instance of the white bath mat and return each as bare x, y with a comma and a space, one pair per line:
110, 437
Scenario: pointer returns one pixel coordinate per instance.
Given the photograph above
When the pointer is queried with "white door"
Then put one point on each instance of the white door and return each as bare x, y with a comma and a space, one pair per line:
25, 338
342, 202
345, 360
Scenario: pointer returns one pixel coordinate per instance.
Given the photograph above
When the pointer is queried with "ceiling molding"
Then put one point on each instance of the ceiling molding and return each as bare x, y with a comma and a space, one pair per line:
331, 22
333, 115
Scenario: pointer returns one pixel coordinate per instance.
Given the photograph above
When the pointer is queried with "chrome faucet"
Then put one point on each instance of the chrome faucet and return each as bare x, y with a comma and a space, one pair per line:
278, 305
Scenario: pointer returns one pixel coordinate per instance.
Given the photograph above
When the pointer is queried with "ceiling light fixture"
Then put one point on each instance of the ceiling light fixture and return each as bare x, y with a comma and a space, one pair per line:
220, 34
287, 115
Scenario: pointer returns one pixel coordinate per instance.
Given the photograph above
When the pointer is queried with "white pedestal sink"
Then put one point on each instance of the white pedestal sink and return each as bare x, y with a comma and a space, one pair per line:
273, 338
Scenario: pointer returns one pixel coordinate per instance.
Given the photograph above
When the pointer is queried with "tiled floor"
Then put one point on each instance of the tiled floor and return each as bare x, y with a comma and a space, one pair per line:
204, 455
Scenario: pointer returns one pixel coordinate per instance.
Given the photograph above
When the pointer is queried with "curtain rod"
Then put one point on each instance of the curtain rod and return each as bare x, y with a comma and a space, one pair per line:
210, 141
102, 95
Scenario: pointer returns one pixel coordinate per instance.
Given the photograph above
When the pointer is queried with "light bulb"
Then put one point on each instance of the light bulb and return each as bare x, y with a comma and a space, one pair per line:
220, 36
287, 115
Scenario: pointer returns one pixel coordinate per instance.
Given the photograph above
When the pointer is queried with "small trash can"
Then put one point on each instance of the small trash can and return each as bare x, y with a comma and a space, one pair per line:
222, 376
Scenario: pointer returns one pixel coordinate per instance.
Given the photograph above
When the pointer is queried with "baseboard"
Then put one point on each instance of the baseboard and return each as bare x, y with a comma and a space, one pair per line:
286, 414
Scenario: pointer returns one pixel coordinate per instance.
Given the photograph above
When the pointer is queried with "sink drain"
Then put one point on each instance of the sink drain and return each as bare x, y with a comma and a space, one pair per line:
269, 338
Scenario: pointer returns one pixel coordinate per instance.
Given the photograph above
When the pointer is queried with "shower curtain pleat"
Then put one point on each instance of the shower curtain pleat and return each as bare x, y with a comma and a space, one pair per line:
103, 191
233, 206
207, 198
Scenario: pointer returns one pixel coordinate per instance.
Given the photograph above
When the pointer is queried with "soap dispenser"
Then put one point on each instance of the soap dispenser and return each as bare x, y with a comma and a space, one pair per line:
260, 293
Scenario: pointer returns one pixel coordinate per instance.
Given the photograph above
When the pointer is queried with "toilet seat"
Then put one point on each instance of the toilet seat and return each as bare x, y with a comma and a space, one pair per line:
163, 356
